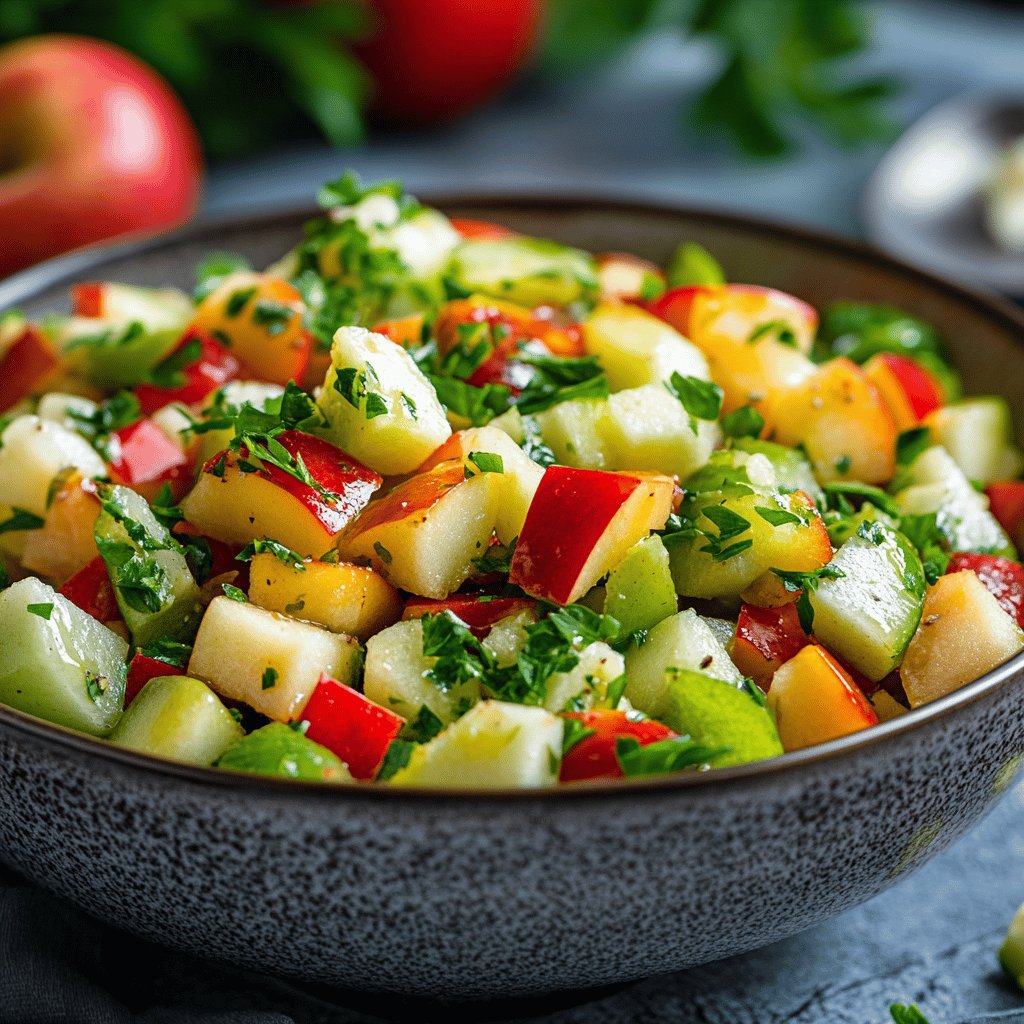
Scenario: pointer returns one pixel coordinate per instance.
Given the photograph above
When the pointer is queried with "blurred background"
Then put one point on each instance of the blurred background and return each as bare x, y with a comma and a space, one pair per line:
780, 107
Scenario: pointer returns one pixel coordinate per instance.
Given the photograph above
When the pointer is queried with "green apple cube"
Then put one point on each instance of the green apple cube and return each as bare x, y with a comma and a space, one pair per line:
934, 483
720, 714
587, 683
792, 468
284, 751
495, 745
155, 590
869, 614
575, 432
178, 718
648, 429
530, 271
58, 662
379, 406
395, 676
682, 641
978, 434
640, 592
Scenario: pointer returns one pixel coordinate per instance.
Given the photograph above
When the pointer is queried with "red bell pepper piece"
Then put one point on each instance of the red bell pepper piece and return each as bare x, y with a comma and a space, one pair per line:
481, 229
1003, 579
594, 756
90, 589
144, 455
351, 726
766, 638
141, 669
26, 367
213, 368
1006, 500
479, 613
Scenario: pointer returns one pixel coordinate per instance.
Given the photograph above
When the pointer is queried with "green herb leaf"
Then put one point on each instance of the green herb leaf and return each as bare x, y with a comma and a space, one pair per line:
557, 379
143, 584
573, 732
397, 757
424, 727
743, 422
171, 652
168, 373
478, 405
237, 300
269, 678
779, 517
533, 444
485, 462
910, 444
777, 329
283, 554
907, 1014
213, 268
851, 488
234, 593
44, 611
663, 757
382, 552
702, 399
21, 520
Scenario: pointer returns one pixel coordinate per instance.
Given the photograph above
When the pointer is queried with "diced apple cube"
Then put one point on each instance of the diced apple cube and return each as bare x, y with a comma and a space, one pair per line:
424, 535
575, 433
586, 684
32, 452
395, 676
345, 598
581, 524
814, 699
842, 422
964, 633
378, 404
647, 428
514, 486
495, 745
268, 661
682, 641
635, 348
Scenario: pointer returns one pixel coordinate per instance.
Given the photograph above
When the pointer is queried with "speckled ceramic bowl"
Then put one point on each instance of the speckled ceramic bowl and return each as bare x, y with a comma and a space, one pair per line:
474, 896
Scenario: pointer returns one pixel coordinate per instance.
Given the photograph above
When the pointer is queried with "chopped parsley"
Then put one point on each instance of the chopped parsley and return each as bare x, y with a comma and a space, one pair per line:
169, 372
911, 443
117, 412
560, 379
777, 329
21, 520
171, 652
485, 462
269, 678
238, 300
212, 270
743, 422
925, 533
663, 757
478, 405
425, 726
143, 584
234, 594
907, 1014
95, 686
397, 757
702, 399
804, 583
382, 552
573, 733
44, 611
779, 517
843, 464
274, 316
533, 444
838, 491
283, 554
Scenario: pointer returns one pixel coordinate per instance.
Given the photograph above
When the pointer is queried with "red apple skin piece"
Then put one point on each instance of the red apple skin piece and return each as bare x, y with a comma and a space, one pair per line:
923, 391
351, 726
814, 699
480, 614
765, 639
594, 756
334, 471
481, 229
90, 589
214, 368
1003, 578
419, 492
572, 512
106, 148
27, 366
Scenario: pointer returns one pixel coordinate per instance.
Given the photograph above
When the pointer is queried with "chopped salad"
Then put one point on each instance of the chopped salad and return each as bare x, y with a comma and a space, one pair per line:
432, 503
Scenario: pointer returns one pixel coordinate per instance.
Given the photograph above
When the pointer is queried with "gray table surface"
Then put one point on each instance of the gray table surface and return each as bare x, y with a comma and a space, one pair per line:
932, 938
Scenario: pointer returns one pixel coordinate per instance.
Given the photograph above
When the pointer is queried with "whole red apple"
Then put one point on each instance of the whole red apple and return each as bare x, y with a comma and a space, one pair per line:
432, 60
93, 144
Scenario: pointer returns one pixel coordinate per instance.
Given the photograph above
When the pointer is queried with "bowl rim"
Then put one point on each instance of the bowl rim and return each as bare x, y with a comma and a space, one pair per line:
51, 273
